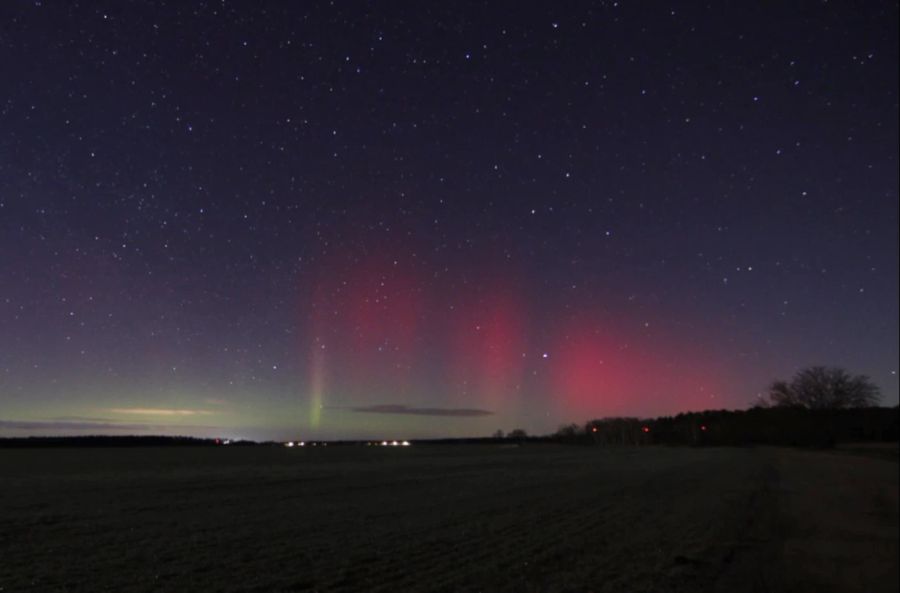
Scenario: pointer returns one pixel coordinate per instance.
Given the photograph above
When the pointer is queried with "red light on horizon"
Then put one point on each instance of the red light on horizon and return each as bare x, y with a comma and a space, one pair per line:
594, 429
703, 427
646, 429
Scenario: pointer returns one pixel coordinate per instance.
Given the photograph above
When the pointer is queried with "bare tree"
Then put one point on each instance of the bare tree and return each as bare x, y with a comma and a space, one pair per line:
819, 388
568, 431
781, 393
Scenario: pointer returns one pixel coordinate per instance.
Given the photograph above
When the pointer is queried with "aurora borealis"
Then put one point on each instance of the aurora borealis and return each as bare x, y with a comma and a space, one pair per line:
353, 220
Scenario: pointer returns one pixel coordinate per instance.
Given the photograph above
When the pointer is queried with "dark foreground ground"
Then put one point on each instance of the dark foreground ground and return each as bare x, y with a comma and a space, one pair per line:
450, 518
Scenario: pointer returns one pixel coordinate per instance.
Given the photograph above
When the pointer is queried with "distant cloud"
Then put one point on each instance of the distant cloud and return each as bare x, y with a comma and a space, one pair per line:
400, 409
215, 401
159, 412
80, 419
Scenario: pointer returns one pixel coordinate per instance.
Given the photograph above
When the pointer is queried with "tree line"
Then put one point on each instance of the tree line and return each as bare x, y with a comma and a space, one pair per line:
820, 406
757, 426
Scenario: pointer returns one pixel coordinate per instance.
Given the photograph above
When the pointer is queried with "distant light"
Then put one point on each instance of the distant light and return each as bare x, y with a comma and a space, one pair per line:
405, 443
302, 444
394, 443
594, 429
703, 427
646, 429
384, 443
289, 444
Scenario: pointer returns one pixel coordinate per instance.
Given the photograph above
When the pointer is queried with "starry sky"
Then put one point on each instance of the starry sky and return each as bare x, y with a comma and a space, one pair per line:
427, 219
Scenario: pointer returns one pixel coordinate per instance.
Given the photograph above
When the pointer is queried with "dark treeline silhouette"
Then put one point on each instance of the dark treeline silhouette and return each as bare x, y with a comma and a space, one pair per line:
793, 426
112, 441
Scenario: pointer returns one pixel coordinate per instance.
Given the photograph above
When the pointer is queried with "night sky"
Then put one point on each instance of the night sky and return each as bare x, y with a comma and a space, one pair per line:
363, 220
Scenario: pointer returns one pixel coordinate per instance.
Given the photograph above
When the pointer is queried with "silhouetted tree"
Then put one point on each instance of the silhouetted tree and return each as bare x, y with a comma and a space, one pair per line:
517, 434
824, 388
498, 434
568, 431
761, 402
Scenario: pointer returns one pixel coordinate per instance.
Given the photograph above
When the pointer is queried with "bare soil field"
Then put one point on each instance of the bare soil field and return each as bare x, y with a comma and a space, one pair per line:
446, 518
